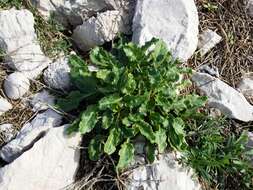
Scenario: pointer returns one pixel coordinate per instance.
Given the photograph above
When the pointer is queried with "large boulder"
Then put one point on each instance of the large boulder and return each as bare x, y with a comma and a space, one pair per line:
5, 106
164, 174
223, 97
29, 134
97, 30
69, 13
174, 21
18, 40
51, 164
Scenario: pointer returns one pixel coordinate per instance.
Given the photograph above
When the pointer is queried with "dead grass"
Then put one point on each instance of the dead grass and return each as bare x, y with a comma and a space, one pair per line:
234, 54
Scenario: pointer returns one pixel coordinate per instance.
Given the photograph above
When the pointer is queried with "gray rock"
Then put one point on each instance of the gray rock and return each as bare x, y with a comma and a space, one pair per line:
164, 174
7, 132
211, 70
207, 40
56, 76
97, 30
5, 106
223, 97
126, 10
51, 164
250, 7
173, 21
42, 101
29, 134
70, 13
19, 41
16, 85
246, 85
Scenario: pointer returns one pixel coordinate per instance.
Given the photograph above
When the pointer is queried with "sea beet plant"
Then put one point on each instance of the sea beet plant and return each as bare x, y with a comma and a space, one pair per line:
136, 91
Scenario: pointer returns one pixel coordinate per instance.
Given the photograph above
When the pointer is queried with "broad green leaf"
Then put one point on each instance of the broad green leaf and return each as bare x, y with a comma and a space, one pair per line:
74, 127
107, 120
176, 135
126, 155
88, 119
95, 148
147, 131
130, 84
109, 102
161, 139
112, 141
101, 58
72, 101
150, 151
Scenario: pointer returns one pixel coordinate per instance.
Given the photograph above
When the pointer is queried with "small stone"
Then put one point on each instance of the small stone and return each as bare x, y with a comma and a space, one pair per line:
4, 106
51, 163
207, 40
250, 8
29, 134
42, 101
223, 97
7, 132
164, 174
16, 85
173, 21
211, 70
97, 30
56, 76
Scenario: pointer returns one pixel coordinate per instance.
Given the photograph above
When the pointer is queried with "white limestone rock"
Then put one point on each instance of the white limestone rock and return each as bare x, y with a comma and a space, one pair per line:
211, 70
207, 40
7, 132
29, 134
18, 40
126, 10
56, 76
164, 174
69, 13
250, 7
4, 106
173, 21
223, 97
16, 85
42, 101
246, 85
97, 31
51, 164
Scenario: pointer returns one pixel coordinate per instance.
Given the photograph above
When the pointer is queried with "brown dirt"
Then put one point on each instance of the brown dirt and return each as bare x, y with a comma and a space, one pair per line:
234, 55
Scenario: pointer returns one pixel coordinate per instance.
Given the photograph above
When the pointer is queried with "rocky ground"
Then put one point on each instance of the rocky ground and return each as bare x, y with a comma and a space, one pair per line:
213, 37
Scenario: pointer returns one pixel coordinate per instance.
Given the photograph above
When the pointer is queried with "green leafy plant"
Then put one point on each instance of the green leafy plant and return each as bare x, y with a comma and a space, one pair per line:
136, 91
219, 155
10, 3
211, 7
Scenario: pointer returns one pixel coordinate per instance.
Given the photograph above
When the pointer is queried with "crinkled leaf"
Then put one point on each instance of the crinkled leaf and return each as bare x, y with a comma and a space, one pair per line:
112, 141
150, 151
88, 119
109, 102
161, 139
126, 155
107, 120
95, 148
147, 131
72, 101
